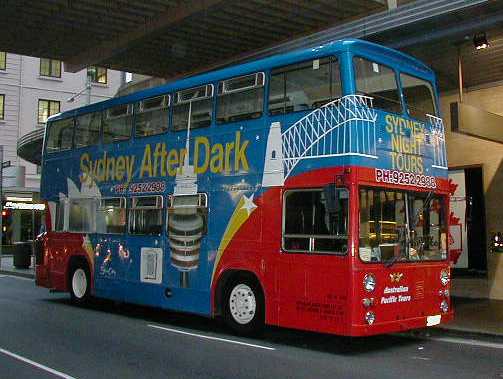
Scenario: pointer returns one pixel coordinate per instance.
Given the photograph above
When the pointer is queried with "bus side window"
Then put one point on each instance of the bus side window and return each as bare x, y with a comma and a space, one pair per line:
87, 129
59, 222
60, 135
240, 98
379, 82
117, 123
111, 216
199, 102
145, 216
151, 116
81, 215
304, 86
308, 226
418, 96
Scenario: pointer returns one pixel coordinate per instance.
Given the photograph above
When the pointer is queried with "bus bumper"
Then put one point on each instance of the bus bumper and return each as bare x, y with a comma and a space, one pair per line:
398, 325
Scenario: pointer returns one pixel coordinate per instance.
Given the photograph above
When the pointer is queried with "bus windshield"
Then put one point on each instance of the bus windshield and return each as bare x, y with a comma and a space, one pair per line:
401, 226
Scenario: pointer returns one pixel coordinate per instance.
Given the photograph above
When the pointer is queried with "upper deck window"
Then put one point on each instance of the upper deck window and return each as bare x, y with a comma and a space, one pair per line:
240, 98
60, 135
151, 116
194, 101
304, 86
87, 129
377, 81
117, 123
418, 96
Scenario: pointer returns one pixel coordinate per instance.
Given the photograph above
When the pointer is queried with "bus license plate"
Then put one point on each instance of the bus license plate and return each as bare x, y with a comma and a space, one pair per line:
433, 320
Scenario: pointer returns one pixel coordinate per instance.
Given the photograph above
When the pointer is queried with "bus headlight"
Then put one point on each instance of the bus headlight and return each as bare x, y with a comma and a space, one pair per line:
370, 317
444, 277
444, 306
369, 282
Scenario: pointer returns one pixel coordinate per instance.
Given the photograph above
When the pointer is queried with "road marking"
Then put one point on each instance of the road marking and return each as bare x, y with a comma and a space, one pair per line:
470, 342
211, 338
35, 364
420, 358
16, 277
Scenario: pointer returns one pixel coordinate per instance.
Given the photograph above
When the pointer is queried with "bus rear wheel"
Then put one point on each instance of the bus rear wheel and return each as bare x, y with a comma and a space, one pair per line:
244, 306
80, 283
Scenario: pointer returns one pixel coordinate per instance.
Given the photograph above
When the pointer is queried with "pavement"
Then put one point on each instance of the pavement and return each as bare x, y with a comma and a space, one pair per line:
473, 317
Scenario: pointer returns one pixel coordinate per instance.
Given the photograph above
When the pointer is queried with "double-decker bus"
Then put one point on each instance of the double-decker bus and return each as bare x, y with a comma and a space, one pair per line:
307, 190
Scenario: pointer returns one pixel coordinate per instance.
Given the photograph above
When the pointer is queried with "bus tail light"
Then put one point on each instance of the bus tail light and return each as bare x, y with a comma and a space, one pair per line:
444, 277
369, 282
370, 317
444, 306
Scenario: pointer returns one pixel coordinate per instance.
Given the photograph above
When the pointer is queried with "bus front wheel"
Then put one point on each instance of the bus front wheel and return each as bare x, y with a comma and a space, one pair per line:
80, 283
244, 306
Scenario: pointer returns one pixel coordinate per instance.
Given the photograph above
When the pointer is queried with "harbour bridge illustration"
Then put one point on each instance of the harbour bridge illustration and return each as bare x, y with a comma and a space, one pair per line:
343, 127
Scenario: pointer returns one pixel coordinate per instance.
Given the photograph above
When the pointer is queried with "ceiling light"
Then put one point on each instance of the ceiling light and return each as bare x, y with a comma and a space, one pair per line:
480, 41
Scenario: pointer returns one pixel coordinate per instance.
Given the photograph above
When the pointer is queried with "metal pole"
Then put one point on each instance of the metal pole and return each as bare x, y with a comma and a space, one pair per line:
88, 86
460, 76
1, 203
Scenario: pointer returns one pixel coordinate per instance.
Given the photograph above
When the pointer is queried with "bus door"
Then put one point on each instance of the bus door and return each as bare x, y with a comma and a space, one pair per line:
314, 272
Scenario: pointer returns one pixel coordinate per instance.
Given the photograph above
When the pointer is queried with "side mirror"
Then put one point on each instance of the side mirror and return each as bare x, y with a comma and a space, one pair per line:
331, 198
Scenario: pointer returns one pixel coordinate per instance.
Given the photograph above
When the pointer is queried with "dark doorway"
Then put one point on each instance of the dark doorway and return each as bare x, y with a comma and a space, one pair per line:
475, 221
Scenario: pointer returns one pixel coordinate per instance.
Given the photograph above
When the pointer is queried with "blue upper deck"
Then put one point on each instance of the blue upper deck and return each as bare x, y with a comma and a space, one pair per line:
354, 47
351, 129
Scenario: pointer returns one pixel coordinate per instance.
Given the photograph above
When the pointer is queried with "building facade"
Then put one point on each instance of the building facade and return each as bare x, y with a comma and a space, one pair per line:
31, 90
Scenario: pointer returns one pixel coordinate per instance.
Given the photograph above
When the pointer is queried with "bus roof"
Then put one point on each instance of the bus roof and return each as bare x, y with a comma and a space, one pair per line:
385, 55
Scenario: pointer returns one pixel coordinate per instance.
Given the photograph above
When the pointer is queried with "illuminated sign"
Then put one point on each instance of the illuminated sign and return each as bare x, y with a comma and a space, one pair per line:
405, 178
24, 206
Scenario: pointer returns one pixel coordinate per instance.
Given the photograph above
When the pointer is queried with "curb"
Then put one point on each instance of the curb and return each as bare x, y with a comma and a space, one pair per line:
20, 274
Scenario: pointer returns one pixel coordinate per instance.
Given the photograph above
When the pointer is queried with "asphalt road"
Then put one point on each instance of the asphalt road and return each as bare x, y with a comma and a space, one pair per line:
43, 335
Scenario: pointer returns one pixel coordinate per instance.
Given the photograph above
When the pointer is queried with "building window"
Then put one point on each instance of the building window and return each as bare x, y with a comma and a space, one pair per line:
3, 60
97, 74
2, 107
50, 67
47, 108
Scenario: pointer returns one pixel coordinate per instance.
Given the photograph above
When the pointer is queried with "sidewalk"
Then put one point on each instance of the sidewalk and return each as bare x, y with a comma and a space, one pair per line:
7, 267
483, 317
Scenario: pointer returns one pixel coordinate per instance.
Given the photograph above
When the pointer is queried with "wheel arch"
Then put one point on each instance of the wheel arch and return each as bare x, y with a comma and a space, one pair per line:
224, 279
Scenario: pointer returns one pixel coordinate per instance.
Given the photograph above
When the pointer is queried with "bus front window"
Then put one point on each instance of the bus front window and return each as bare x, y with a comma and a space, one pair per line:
401, 226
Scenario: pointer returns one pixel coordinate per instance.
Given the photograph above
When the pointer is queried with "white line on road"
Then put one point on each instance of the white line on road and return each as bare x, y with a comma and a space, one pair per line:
35, 364
470, 342
17, 277
211, 338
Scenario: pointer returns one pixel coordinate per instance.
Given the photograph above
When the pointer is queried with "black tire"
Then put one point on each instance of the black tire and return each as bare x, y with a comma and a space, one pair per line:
79, 283
243, 305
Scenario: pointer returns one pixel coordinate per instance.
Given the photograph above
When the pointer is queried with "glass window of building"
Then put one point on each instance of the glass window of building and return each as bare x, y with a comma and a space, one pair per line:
240, 98
304, 86
310, 226
97, 74
418, 96
117, 123
2, 107
50, 67
379, 82
151, 116
198, 102
87, 129
47, 108
145, 216
3, 60
60, 135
